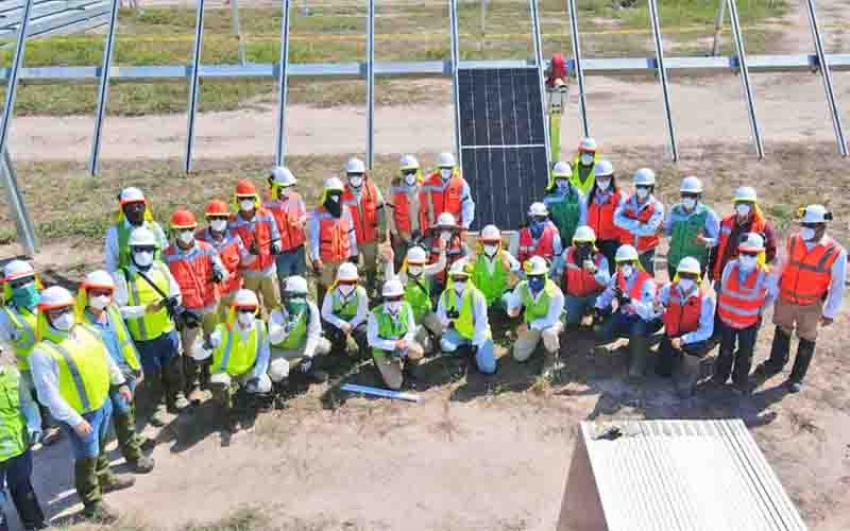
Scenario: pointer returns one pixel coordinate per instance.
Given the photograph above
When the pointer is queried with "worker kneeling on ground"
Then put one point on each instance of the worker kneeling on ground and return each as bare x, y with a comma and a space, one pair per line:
585, 275
634, 316
96, 307
345, 311
462, 311
811, 287
240, 357
542, 304
539, 238
493, 267
392, 336
688, 326
295, 334
73, 372
639, 218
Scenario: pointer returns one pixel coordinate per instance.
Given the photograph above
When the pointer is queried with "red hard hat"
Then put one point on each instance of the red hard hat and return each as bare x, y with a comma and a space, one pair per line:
217, 207
183, 219
245, 188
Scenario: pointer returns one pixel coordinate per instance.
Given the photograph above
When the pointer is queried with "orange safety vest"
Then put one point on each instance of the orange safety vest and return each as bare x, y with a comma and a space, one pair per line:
578, 281
739, 305
259, 228
808, 273
454, 252
545, 246
637, 286
230, 251
633, 211
288, 214
437, 197
193, 272
758, 225
401, 210
682, 317
600, 217
334, 245
365, 212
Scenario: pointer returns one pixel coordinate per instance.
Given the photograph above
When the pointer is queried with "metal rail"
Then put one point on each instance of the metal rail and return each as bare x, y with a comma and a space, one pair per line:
745, 78
538, 59
23, 221
282, 87
572, 10
823, 63
370, 85
103, 90
193, 86
455, 65
662, 75
237, 29
14, 76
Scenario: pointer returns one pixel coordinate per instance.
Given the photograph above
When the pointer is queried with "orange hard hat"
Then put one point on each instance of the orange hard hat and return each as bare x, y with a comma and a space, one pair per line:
217, 207
183, 219
245, 189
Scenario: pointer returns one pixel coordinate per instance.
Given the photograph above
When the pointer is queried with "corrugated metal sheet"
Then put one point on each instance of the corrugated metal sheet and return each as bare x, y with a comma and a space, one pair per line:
685, 475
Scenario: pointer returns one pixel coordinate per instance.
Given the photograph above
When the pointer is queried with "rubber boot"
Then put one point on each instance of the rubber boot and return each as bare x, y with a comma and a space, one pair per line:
637, 355
192, 380
152, 405
778, 354
279, 394
805, 353
688, 376
175, 400
108, 481
29, 510
86, 481
100, 513
130, 445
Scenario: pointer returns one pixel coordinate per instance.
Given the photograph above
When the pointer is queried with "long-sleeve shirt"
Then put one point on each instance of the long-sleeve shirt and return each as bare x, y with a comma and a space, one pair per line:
379, 204
479, 315
313, 233
362, 307
771, 282
429, 270
643, 307
837, 275
45, 375
277, 327
710, 230
555, 198
261, 365
376, 341
217, 265
8, 330
635, 227
556, 307
122, 293
29, 408
512, 263
111, 250
557, 244
110, 338
738, 230
706, 315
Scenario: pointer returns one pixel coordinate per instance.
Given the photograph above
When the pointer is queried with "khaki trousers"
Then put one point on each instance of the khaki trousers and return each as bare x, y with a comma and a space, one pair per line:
788, 316
391, 367
527, 342
266, 290
282, 361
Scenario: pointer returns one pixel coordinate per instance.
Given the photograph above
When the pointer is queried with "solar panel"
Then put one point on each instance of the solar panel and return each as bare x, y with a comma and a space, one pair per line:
502, 142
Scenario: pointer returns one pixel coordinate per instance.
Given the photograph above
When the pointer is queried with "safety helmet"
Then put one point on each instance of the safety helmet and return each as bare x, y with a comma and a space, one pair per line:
746, 194
142, 237
460, 268
281, 176
691, 185
626, 253
347, 272
603, 168
751, 243
131, 195
417, 256
217, 208
815, 214
534, 266
17, 269
688, 264
334, 184
408, 162
99, 279
246, 299
446, 160
584, 234
355, 165
183, 219
562, 170
392, 289
587, 145
296, 285
538, 210
490, 234
245, 188
55, 297
446, 221
644, 177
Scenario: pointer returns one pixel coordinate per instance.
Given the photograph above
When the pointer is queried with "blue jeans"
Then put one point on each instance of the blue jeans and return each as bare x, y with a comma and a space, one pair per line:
91, 445
290, 263
16, 472
624, 325
156, 353
484, 355
576, 307
120, 406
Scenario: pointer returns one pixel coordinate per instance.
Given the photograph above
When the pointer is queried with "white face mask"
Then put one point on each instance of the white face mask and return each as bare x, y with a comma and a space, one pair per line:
459, 285
446, 173
410, 179
686, 284
246, 205
283, 191
490, 250
355, 182
627, 270
347, 289
807, 233
586, 159
143, 259
642, 193
446, 235
748, 263
393, 307
100, 302
689, 203
245, 318
218, 225
603, 185
186, 237
415, 271
64, 322
742, 210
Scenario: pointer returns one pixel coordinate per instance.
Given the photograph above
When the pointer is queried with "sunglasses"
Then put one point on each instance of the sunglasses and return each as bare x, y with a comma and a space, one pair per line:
20, 282
143, 249
98, 292
246, 310
393, 299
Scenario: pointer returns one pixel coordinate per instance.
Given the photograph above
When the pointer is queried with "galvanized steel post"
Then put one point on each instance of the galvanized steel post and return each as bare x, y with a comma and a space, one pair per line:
582, 104
103, 89
12, 85
23, 222
455, 60
538, 59
237, 29
282, 87
662, 75
826, 75
370, 85
745, 77
193, 85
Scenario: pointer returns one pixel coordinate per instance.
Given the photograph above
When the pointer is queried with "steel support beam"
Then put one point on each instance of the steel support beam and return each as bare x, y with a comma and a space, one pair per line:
823, 63
237, 29
282, 86
14, 75
370, 85
194, 82
745, 78
103, 89
572, 10
540, 64
455, 65
662, 75
23, 222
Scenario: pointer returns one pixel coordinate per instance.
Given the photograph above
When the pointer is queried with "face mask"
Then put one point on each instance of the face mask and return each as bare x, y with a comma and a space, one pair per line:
536, 283
689, 203
100, 302
748, 263
64, 322
410, 179
536, 228
415, 271
459, 285
135, 213
627, 270
393, 307
807, 233
686, 284
490, 250
355, 182
283, 191
26, 296
563, 185
446, 235
603, 185
446, 173
346, 289
586, 159
742, 210
186, 237
218, 225
296, 306
143, 259
245, 318
642, 193
246, 205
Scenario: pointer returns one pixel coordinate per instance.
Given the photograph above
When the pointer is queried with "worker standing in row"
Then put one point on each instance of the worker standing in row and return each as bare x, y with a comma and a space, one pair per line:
747, 218
345, 311
333, 239
290, 214
405, 192
392, 336
539, 238
567, 206
366, 204
446, 191
585, 277
602, 201
583, 165
692, 227
639, 218
133, 212
493, 267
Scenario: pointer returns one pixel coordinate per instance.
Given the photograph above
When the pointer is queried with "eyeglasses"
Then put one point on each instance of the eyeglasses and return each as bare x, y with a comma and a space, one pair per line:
393, 299
748, 253
99, 292
246, 310
20, 282
56, 312
688, 195
143, 249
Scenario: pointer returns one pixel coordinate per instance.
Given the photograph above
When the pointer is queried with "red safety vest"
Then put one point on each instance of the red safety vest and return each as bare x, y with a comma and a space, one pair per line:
758, 225
579, 282
545, 246
682, 317
600, 217
739, 305
193, 272
632, 211
334, 244
437, 197
230, 251
288, 214
401, 210
260, 229
365, 212
637, 286
808, 273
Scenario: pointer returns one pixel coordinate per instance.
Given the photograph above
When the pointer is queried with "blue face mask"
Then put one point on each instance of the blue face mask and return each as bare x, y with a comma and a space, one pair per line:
26, 296
536, 228
563, 185
536, 283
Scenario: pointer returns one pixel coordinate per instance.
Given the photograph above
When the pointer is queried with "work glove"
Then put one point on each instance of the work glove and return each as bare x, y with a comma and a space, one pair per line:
276, 248
251, 386
306, 365
217, 276
622, 299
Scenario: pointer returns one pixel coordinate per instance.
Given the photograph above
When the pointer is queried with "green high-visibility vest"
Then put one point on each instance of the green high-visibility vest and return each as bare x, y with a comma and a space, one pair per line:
685, 229
150, 325
418, 295
465, 323
564, 211
492, 285
540, 308
24, 322
347, 309
83, 369
298, 334
124, 230
235, 355
585, 186
391, 329
13, 433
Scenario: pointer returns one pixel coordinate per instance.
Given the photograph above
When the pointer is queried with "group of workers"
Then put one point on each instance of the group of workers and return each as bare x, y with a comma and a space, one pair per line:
226, 307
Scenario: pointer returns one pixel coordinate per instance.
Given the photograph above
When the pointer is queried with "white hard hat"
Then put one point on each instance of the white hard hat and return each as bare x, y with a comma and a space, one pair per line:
751, 243
490, 233
584, 234
246, 298
538, 209
446, 220
131, 195
282, 176
688, 264
142, 237
17, 269
815, 214
644, 177
746, 194
446, 160
334, 183
562, 169
296, 285
460, 267
691, 185
417, 256
347, 271
392, 288
603, 168
535, 265
355, 165
55, 297
626, 253
588, 145
99, 279
408, 162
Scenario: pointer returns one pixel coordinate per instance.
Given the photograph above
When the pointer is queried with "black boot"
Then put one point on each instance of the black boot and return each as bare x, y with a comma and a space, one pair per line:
637, 354
175, 400
28, 507
778, 354
805, 353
